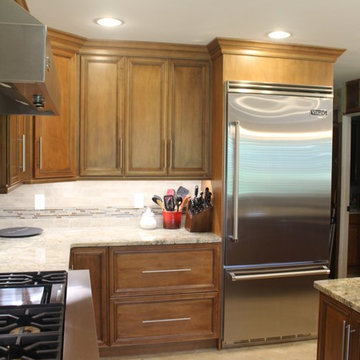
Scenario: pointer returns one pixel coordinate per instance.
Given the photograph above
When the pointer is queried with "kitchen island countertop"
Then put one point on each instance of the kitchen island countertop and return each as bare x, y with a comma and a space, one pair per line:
51, 249
345, 290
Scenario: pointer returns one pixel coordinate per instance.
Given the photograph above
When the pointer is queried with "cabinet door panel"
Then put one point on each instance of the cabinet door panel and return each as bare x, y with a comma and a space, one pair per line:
333, 318
55, 137
146, 116
100, 116
355, 336
189, 118
163, 319
95, 260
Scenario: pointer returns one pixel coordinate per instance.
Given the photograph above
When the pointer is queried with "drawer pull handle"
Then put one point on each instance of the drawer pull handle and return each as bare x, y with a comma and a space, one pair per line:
165, 271
165, 320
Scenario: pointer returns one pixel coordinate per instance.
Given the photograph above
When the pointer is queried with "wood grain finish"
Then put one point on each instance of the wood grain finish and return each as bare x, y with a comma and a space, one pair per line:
189, 118
55, 136
14, 139
101, 116
96, 261
166, 269
146, 99
164, 319
333, 342
261, 62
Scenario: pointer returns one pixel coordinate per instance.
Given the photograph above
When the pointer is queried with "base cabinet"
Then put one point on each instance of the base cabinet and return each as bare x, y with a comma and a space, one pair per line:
339, 331
153, 296
96, 261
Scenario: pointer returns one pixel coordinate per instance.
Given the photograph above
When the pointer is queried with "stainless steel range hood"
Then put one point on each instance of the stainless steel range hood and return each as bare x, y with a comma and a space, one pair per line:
28, 79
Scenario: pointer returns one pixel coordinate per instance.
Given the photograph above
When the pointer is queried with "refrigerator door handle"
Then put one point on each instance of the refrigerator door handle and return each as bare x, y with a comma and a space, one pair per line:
258, 276
235, 237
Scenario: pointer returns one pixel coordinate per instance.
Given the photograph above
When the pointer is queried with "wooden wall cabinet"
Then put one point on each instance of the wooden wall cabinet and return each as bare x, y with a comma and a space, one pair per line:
148, 297
14, 150
55, 137
339, 331
189, 118
102, 109
144, 117
352, 97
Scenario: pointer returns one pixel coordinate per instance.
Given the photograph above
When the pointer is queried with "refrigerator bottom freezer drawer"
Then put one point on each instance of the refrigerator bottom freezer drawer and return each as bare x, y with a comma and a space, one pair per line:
270, 310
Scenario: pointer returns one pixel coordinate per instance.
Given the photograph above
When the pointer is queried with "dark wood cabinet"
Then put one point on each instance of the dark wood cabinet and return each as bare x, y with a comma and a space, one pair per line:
14, 150
352, 96
353, 267
96, 261
339, 331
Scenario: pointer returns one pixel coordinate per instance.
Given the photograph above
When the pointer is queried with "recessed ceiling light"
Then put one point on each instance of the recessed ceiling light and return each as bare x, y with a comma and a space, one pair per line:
278, 34
109, 22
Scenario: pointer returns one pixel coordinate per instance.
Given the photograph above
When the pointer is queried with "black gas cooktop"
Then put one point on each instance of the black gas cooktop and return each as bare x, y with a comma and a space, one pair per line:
32, 310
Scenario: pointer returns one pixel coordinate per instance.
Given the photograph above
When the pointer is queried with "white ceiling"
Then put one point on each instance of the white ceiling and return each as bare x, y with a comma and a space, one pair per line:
331, 23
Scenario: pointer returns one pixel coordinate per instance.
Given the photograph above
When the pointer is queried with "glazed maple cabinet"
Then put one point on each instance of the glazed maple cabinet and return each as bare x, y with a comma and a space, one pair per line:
144, 117
339, 331
55, 136
157, 295
13, 151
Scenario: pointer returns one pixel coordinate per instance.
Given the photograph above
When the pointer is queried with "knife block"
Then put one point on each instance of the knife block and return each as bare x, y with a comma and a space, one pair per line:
200, 222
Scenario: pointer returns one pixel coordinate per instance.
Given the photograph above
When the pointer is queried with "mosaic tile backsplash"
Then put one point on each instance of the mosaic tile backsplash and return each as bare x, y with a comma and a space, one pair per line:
86, 198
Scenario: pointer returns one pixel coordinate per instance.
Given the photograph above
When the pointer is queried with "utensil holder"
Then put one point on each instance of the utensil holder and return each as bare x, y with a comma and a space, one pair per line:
171, 219
200, 222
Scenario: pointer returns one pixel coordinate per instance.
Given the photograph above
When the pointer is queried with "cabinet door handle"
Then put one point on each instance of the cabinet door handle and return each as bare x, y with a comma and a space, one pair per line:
23, 153
121, 153
171, 152
348, 331
23, 142
40, 152
165, 320
343, 340
165, 153
165, 271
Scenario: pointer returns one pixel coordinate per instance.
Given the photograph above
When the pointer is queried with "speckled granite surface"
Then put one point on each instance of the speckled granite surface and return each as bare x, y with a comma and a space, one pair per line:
51, 249
346, 291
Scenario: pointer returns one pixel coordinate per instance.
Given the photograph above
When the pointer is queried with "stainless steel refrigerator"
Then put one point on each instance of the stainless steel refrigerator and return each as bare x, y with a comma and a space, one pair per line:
277, 210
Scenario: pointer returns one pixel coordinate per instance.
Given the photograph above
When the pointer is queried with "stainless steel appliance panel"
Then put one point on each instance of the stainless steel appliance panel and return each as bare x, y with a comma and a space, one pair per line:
270, 309
278, 179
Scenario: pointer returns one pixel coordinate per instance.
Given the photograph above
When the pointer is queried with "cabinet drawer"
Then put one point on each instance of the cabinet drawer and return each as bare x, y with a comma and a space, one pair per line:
164, 269
167, 318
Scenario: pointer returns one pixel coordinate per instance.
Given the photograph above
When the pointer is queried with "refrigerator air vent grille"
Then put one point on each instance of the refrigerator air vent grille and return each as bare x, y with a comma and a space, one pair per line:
273, 339
278, 89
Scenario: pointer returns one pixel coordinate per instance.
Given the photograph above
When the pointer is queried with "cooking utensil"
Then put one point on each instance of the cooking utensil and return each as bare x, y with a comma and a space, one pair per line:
158, 201
171, 192
181, 191
196, 190
169, 202
184, 202
178, 202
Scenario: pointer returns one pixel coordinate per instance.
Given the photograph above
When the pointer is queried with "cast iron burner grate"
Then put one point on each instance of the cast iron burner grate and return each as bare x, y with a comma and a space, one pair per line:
27, 320
32, 278
28, 347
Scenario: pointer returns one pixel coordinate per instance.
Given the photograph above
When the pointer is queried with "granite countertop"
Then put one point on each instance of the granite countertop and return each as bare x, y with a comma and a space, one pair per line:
346, 291
51, 249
